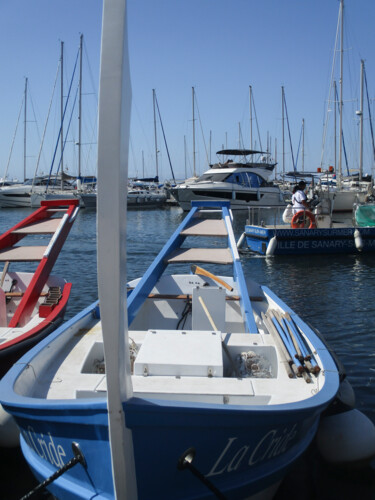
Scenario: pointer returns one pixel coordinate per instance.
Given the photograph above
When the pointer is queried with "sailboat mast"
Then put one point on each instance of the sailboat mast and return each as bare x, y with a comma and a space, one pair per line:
185, 156
335, 121
251, 116
79, 107
24, 132
155, 133
361, 124
283, 132
62, 110
194, 169
303, 144
341, 90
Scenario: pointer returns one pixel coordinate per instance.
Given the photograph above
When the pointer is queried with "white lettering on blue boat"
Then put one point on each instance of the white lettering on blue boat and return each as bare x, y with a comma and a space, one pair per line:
253, 230
45, 446
272, 444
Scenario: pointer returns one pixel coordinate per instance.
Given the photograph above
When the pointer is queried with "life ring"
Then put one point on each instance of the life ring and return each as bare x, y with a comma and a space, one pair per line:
298, 224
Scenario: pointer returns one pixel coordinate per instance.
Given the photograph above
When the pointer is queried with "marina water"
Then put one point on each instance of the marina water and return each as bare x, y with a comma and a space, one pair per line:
335, 294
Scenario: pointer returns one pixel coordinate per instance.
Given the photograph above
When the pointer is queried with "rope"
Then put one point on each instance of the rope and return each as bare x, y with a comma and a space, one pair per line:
165, 140
45, 126
78, 458
62, 121
185, 462
14, 137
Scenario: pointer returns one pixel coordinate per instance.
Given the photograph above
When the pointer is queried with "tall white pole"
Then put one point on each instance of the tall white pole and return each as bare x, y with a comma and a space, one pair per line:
361, 124
155, 133
251, 115
24, 132
62, 111
335, 122
185, 156
341, 91
194, 169
303, 144
80, 107
113, 149
282, 127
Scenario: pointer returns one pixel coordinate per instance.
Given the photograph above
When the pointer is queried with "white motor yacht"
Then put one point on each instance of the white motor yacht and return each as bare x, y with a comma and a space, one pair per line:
243, 183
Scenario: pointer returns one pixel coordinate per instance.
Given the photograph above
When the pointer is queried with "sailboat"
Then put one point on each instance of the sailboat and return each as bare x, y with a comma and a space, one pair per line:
63, 190
342, 193
171, 374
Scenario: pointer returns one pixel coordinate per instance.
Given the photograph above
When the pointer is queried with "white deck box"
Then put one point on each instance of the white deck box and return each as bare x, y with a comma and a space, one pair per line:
180, 353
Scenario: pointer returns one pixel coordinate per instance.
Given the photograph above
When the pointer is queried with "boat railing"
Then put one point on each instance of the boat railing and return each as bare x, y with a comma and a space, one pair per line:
262, 215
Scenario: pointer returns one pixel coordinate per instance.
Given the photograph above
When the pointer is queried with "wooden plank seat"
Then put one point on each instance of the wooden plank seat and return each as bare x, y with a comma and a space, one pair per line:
214, 255
43, 227
22, 254
205, 227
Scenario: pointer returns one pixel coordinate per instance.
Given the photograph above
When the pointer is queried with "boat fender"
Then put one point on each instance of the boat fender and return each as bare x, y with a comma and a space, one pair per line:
358, 240
288, 214
258, 195
300, 225
344, 399
271, 246
346, 438
9, 431
241, 240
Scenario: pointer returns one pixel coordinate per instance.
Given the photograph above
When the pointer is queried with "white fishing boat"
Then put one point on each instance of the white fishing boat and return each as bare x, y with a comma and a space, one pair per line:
244, 183
192, 372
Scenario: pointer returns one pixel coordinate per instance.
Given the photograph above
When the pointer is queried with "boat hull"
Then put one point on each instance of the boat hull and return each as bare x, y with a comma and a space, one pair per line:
242, 449
239, 199
239, 459
10, 352
309, 241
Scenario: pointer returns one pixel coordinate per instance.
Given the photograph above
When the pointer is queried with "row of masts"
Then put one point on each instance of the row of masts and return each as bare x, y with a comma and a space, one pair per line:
336, 100
61, 132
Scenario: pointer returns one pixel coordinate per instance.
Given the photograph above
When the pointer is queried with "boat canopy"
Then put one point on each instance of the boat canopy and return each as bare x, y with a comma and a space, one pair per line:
241, 152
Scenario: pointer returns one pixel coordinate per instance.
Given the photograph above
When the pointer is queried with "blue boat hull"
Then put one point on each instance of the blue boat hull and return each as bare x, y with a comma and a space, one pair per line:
239, 458
309, 241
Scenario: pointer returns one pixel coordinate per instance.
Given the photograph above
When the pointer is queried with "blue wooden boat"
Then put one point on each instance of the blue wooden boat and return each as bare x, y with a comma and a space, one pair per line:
221, 369
181, 385
319, 235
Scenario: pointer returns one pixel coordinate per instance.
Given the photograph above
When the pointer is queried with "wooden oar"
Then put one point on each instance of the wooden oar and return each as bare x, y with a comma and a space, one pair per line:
222, 342
306, 355
304, 363
286, 339
184, 296
270, 327
303, 369
199, 270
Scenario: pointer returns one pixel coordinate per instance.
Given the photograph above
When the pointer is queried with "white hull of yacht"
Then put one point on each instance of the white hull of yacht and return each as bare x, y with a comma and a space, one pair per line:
240, 199
344, 199
37, 198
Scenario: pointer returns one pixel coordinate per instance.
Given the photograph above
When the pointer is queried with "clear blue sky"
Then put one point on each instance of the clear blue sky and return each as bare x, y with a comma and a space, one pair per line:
219, 47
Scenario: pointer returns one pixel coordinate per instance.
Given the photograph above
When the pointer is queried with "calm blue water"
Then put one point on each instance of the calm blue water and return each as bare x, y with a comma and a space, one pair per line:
336, 294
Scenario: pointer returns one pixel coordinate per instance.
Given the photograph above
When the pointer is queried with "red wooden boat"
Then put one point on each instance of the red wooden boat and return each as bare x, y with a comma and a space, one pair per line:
32, 304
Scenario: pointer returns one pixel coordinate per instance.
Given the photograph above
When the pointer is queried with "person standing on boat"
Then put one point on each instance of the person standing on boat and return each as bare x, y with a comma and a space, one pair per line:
299, 198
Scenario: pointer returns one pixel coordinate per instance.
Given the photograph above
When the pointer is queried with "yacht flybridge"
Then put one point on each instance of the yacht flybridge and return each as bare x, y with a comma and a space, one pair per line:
241, 181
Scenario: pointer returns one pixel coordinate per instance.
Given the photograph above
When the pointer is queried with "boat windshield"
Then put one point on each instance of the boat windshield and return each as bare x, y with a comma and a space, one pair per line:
245, 179
213, 177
